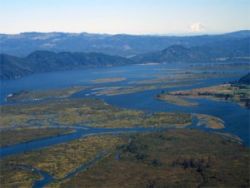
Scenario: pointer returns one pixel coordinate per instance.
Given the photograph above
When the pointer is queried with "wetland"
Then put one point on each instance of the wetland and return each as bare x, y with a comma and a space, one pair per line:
85, 128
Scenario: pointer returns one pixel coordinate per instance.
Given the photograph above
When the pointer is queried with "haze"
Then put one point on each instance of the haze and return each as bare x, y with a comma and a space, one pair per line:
125, 16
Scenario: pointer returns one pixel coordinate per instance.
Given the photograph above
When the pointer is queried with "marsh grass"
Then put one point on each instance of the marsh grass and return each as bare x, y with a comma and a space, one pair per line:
237, 93
176, 158
91, 112
58, 160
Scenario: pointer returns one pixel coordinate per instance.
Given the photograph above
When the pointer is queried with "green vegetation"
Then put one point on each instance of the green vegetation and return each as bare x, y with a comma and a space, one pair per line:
238, 93
45, 61
176, 158
108, 80
47, 94
57, 161
245, 79
33, 121
172, 99
173, 158
16, 176
209, 121
236, 66
91, 112
14, 136
204, 53
179, 79
168, 119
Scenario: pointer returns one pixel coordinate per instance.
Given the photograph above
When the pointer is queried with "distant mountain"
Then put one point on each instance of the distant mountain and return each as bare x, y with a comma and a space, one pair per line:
245, 79
122, 45
13, 67
229, 50
234, 48
45, 61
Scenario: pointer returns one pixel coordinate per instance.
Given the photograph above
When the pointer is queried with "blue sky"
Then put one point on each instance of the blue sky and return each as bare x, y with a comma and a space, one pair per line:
125, 16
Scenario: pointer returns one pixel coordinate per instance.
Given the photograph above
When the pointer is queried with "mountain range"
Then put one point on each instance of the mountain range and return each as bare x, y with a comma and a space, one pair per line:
45, 61
123, 45
229, 50
228, 47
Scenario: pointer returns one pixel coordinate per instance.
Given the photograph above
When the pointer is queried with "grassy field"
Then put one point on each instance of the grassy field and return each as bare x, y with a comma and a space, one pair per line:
161, 82
237, 93
109, 80
177, 158
43, 94
33, 121
222, 66
209, 121
15, 176
10, 137
172, 99
91, 112
57, 161
174, 158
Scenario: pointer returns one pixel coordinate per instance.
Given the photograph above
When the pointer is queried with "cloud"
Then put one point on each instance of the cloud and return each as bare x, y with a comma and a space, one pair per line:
197, 27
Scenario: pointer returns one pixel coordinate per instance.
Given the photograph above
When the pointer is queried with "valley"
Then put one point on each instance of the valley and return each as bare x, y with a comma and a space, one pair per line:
107, 110
93, 129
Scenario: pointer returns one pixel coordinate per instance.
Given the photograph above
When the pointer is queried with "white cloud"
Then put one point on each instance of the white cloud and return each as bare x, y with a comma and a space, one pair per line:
197, 27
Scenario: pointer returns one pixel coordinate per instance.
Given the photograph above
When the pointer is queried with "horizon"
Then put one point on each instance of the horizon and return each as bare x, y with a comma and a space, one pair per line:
137, 17
124, 93
143, 34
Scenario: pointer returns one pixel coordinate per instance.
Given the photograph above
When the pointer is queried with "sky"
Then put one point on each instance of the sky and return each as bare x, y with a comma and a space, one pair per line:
125, 16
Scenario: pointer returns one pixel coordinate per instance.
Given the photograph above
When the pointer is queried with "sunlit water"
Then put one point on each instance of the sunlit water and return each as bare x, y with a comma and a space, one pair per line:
236, 118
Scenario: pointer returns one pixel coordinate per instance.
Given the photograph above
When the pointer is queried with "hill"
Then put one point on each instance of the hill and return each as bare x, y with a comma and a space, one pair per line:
123, 45
236, 49
245, 79
230, 50
45, 61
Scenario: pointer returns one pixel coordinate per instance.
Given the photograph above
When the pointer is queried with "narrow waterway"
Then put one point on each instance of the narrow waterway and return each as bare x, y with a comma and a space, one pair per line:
79, 133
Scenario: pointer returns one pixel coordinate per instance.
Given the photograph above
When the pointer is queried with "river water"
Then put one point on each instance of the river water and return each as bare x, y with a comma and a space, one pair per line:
235, 117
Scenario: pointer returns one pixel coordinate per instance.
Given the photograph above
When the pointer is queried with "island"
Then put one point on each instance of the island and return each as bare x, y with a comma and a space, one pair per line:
238, 92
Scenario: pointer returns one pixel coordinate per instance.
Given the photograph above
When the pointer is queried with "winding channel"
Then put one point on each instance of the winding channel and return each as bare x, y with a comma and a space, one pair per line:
80, 132
46, 178
236, 118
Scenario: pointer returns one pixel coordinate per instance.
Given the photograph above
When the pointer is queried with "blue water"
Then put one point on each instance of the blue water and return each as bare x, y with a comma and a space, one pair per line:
236, 118
61, 79
80, 132
85, 165
46, 177
45, 142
